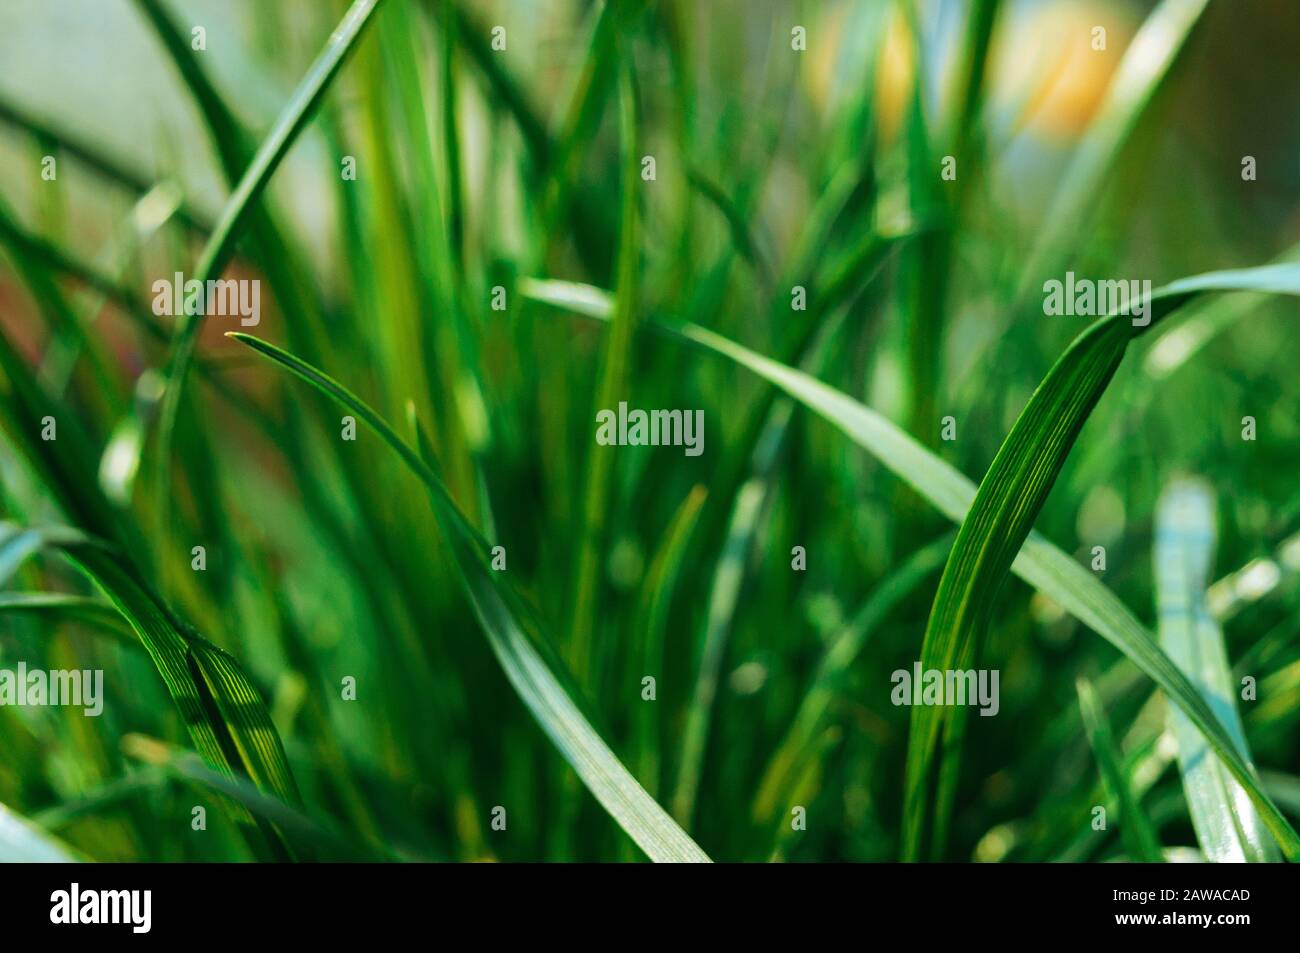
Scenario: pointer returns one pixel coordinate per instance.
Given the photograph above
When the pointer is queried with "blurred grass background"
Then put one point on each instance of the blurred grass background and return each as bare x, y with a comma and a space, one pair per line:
774, 168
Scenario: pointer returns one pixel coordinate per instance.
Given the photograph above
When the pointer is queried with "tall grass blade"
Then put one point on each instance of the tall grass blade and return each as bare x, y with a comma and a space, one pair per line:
223, 712
1134, 826
220, 246
1226, 823
614, 384
1038, 562
652, 623
524, 661
1008, 501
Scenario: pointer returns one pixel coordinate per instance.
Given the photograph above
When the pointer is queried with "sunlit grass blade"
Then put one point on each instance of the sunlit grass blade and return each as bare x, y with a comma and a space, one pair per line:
523, 659
1008, 501
22, 842
1134, 826
1226, 823
1038, 562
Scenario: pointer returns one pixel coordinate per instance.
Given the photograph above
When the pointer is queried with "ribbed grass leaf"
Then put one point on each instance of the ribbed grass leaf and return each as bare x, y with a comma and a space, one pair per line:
1226, 823
1008, 501
223, 712
1038, 562
1134, 826
528, 664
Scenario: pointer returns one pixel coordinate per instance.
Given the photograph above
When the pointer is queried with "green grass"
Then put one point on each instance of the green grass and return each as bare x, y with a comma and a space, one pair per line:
567, 651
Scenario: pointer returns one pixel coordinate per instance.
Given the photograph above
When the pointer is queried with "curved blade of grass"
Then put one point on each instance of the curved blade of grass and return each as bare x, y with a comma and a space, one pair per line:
1227, 826
220, 247
22, 842
723, 597
532, 674
1008, 501
100, 798
1177, 345
745, 243
59, 606
223, 712
1134, 826
1041, 564
652, 623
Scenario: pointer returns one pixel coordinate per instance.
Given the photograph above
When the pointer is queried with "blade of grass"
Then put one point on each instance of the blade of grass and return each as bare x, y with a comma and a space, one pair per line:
96, 159
220, 247
736, 222
22, 842
223, 712
614, 384
58, 606
652, 623
62, 463
524, 661
1227, 826
723, 597
812, 716
102, 798
306, 832
1134, 826
1008, 501
1041, 564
